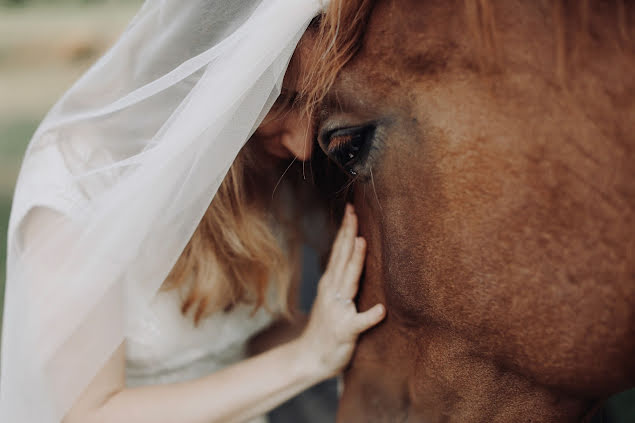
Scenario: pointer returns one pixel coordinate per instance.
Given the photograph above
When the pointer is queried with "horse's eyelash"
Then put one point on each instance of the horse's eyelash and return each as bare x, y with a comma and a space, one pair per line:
346, 135
341, 142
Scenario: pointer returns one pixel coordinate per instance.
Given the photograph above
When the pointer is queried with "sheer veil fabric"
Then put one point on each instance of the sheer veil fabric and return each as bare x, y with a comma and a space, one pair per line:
117, 177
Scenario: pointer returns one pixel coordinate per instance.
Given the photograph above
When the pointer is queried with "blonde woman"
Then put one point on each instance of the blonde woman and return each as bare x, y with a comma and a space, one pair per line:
129, 297
197, 391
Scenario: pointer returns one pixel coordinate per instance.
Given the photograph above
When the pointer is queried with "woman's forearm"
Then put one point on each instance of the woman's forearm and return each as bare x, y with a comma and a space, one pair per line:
235, 394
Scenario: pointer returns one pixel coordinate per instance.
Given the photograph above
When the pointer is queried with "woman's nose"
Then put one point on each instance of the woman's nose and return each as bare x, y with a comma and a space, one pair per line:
288, 137
297, 141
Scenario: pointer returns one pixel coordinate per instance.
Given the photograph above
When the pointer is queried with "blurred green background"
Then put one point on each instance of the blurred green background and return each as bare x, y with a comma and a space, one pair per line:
45, 45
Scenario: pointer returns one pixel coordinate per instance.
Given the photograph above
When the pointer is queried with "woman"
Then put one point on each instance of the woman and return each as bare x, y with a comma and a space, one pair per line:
254, 386
104, 292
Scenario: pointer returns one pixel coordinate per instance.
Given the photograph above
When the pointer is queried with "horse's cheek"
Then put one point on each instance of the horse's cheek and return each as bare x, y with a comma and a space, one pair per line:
376, 384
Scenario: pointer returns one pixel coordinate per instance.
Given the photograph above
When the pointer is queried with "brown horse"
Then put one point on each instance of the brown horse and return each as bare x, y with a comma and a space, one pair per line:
491, 151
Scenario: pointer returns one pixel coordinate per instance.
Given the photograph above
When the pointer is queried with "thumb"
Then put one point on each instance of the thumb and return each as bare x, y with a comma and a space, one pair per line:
369, 318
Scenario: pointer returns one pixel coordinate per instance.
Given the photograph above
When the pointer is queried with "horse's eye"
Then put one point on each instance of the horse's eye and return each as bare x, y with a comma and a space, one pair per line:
349, 146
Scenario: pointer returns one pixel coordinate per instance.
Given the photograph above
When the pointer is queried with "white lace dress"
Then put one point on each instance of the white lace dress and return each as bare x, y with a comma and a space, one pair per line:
165, 347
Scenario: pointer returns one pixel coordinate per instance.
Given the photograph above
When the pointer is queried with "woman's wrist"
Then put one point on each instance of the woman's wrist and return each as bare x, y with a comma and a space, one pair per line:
306, 362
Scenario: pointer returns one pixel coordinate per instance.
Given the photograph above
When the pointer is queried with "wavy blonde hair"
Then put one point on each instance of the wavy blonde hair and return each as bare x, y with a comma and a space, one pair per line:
236, 253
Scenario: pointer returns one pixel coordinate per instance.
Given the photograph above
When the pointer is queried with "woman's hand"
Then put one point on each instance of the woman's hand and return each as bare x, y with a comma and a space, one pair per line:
334, 325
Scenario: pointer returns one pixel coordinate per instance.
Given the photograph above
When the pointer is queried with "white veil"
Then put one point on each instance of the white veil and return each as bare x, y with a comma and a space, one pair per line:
117, 177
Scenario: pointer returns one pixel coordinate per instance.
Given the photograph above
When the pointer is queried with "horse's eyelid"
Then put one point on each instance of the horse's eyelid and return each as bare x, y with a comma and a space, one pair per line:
350, 132
342, 141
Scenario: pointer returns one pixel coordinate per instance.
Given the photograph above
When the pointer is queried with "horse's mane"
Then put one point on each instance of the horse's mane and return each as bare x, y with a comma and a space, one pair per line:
338, 36
340, 29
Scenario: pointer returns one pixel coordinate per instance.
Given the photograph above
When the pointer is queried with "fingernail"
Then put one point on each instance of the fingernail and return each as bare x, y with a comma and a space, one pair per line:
380, 309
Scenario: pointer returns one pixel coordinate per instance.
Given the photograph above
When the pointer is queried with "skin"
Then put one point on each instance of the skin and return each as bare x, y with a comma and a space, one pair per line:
498, 205
287, 135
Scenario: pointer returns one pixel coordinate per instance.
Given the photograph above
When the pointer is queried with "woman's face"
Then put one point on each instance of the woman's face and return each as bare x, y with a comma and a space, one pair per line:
286, 134
287, 131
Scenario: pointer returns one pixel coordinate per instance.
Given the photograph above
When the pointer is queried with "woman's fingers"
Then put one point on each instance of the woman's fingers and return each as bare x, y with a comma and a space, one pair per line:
353, 269
343, 245
346, 239
369, 318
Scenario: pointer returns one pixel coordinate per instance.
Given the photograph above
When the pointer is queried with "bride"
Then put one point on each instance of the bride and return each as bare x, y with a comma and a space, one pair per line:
131, 298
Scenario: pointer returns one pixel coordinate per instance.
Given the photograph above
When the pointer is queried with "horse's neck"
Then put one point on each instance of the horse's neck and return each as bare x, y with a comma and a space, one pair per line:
451, 381
475, 387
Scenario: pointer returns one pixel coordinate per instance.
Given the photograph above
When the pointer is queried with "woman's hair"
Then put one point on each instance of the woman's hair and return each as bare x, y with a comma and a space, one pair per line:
236, 252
